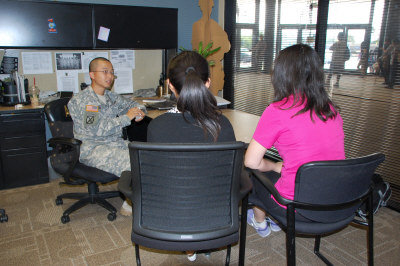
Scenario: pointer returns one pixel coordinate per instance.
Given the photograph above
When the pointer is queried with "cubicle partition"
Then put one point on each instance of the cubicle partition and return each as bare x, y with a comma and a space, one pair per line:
43, 25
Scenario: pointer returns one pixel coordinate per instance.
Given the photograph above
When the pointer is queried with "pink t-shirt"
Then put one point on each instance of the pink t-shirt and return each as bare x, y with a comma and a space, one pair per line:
298, 140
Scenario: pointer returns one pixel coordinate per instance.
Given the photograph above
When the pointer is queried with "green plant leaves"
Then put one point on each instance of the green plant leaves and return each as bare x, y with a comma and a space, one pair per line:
205, 52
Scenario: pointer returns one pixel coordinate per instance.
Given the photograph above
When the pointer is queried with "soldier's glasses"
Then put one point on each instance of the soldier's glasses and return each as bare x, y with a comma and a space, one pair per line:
106, 72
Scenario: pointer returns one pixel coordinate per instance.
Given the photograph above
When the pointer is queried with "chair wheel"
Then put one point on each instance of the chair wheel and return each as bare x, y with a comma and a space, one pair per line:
65, 219
111, 216
59, 201
4, 218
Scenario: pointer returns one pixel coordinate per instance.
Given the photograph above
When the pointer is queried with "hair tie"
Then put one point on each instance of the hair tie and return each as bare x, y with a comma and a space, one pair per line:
188, 69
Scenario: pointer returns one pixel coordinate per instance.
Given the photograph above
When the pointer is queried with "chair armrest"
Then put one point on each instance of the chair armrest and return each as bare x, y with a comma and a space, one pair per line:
65, 141
270, 187
303, 205
124, 184
61, 147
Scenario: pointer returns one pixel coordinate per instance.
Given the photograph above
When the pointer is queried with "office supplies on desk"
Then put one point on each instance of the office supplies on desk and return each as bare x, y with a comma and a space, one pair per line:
15, 90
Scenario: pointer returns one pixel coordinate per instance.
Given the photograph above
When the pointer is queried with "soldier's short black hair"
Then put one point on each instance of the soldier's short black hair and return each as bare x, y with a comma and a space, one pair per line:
93, 63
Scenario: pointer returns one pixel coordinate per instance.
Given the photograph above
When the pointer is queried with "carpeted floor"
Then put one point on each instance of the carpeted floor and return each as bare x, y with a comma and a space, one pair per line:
34, 235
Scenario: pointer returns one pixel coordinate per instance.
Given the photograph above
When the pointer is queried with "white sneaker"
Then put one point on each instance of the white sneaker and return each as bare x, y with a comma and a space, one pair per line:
126, 209
192, 257
262, 231
274, 226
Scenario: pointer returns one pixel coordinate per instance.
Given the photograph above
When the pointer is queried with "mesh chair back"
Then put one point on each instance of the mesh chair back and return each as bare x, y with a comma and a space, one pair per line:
60, 121
61, 125
334, 182
186, 192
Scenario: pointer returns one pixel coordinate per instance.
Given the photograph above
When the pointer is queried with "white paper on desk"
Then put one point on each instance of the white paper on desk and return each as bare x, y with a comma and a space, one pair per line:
123, 59
124, 81
221, 101
89, 56
67, 81
37, 62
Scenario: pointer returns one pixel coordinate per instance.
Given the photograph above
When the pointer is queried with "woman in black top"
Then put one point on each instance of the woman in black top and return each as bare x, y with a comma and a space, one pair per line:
196, 117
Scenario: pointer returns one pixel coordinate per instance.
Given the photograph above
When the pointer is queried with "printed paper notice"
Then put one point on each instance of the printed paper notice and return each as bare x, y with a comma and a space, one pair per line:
68, 61
37, 62
87, 57
67, 81
103, 34
124, 82
123, 59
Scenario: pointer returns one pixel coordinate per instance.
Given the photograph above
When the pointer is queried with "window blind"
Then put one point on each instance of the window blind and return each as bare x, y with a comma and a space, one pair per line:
367, 89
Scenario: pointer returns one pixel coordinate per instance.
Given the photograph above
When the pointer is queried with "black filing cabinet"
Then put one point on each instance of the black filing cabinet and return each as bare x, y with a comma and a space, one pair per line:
23, 156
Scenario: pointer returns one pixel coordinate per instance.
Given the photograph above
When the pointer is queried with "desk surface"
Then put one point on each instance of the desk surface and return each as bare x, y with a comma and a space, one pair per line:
244, 124
24, 108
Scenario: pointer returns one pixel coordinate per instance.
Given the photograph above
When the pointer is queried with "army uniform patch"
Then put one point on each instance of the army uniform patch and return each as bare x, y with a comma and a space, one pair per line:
91, 115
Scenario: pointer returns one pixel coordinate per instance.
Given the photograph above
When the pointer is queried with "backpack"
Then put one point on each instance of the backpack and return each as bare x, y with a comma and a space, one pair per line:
381, 194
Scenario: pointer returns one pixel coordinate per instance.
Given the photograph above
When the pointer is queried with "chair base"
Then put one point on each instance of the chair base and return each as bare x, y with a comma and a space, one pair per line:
93, 197
3, 216
227, 259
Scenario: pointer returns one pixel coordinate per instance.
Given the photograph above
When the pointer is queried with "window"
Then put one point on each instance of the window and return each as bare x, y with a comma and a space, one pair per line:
367, 89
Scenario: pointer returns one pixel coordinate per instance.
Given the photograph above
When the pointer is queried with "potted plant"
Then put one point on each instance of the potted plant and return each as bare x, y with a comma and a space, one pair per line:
205, 51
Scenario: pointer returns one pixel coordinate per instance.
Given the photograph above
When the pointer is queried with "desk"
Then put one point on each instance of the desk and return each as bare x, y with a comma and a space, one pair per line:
23, 150
244, 124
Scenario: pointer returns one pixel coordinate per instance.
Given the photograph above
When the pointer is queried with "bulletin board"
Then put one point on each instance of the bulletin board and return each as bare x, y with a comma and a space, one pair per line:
56, 70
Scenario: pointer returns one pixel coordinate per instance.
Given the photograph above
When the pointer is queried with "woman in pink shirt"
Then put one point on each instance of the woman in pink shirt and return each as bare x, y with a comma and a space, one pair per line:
302, 123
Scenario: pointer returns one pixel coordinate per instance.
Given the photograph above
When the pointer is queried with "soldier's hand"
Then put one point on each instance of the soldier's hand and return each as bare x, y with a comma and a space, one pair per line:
135, 113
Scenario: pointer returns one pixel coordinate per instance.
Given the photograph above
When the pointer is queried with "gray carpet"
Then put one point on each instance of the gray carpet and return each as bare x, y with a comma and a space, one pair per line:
34, 235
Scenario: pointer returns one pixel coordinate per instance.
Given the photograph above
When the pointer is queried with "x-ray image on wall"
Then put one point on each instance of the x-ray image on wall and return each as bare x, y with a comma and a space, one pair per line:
69, 61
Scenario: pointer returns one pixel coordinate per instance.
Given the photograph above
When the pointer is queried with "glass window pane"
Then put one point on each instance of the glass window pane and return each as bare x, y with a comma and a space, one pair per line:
246, 43
299, 12
349, 12
289, 37
245, 11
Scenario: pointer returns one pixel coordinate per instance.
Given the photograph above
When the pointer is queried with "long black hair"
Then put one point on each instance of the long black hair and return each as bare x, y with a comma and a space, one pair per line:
188, 72
298, 72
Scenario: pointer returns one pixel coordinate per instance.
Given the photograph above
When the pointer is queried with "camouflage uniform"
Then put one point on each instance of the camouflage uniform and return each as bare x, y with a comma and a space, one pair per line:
99, 127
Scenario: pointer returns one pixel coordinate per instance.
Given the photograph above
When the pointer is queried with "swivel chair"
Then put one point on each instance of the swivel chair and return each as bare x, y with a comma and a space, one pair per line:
187, 196
65, 161
327, 196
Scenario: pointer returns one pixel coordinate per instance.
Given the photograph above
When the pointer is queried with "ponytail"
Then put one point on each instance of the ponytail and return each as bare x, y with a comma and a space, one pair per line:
188, 72
196, 99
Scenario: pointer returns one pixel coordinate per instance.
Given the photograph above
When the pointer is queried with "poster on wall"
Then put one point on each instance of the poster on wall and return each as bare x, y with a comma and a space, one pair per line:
67, 81
37, 62
9, 64
124, 82
68, 61
123, 59
87, 57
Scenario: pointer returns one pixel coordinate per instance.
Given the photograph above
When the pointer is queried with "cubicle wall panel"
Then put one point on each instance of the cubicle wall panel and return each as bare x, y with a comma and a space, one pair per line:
45, 25
136, 27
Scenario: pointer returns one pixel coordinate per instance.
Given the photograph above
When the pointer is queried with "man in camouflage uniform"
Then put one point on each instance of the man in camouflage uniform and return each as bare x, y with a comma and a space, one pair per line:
99, 116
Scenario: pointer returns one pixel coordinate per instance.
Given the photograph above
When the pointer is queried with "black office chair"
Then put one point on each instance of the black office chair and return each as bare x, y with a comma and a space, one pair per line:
327, 196
187, 196
65, 161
